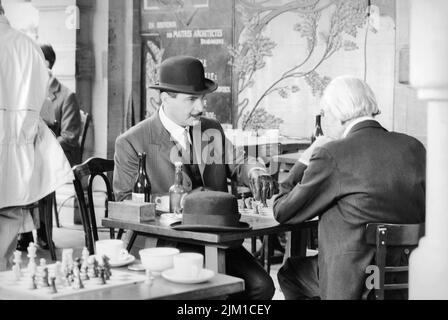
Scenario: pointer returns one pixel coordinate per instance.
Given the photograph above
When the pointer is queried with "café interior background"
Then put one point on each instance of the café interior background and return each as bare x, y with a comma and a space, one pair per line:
272, 59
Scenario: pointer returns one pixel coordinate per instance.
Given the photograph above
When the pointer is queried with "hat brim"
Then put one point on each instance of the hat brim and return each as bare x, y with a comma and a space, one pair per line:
210, 86
243, 226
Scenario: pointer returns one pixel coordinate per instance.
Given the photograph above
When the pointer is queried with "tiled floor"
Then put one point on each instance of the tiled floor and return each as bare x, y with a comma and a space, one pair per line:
73, 237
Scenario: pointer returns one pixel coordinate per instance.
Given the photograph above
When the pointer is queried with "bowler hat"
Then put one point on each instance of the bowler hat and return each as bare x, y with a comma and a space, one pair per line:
184, 74
211, 211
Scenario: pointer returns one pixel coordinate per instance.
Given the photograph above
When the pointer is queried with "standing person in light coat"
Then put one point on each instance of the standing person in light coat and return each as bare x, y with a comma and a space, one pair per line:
32, 162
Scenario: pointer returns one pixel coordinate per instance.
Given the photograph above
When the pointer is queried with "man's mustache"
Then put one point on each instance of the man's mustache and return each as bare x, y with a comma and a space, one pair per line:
197, 115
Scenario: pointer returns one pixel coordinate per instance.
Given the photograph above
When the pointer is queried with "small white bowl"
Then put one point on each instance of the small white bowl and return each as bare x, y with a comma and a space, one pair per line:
158, 259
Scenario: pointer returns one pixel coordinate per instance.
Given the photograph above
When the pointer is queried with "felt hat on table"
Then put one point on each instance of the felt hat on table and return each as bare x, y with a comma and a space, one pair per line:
211, 211
184, 74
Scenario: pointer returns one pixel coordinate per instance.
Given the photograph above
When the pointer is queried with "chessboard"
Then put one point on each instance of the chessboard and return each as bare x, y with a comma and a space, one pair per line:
62, 279
21, 290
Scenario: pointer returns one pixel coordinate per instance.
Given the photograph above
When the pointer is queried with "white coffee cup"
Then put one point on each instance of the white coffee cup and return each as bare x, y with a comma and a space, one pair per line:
188, 264
162, 203
112, 248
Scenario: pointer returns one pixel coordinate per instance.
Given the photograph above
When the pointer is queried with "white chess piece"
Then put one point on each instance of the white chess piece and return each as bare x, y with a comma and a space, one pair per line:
32, 255
16, 268
58, 274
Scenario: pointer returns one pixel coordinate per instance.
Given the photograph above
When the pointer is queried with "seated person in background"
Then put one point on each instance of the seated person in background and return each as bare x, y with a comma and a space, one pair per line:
366, 175
64, 117
61, 113
178, 126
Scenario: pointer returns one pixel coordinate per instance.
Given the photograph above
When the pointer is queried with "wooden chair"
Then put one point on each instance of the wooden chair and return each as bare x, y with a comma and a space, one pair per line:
386, 237
85, 123
90, 169
44, 206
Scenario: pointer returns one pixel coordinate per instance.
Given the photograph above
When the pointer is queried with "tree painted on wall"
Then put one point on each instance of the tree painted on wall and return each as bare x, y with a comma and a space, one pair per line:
249, 56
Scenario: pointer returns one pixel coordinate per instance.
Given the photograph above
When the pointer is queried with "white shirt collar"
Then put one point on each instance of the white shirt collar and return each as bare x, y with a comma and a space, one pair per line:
176, 131
355, 122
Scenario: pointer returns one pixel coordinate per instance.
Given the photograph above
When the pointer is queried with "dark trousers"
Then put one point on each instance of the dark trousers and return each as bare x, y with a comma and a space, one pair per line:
299, 278
241, 264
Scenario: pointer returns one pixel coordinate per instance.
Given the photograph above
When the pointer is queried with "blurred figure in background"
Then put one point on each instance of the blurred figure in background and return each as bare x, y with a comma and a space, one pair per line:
61, 113
32, 163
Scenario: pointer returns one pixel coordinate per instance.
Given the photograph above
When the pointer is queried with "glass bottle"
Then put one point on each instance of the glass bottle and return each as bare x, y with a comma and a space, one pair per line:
317, 129
142, 187
177, 190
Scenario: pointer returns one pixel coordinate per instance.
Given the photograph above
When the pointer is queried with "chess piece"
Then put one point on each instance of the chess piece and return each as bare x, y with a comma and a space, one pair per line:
53, 285
103, 275
248, 203
91, 267
32, 267
107, 267
32, 282
243, 200
85, 264
77, 283
255, 208
45, 282
58, 274
16, 267
96, 270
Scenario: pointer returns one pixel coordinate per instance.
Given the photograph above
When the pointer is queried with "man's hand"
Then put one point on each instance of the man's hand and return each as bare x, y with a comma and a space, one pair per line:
262, 185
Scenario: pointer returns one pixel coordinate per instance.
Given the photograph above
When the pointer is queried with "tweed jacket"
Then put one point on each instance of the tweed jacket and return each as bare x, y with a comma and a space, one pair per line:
371, 175
68, 119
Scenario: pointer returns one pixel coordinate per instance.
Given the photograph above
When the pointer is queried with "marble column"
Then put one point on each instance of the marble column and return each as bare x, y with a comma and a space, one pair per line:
429, 75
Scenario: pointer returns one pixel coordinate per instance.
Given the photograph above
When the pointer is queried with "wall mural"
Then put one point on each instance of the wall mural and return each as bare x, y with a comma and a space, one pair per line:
255, 47
275, 56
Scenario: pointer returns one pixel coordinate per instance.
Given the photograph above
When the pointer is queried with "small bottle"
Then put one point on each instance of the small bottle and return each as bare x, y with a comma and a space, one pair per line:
142, 187
317, 129
177, 190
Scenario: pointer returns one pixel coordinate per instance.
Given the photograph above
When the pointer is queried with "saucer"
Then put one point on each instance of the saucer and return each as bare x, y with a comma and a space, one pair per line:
204, 275
121, 263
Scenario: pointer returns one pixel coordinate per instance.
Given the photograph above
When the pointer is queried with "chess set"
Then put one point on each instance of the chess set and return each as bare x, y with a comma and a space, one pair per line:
64, 278
251, 207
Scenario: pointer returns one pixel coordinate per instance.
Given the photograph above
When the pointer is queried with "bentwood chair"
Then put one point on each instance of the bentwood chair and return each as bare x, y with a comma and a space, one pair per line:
84, 176
394, 243
85, 123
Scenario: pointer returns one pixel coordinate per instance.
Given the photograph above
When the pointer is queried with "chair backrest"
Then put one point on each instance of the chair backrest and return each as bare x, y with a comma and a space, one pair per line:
88, 170
85, 122
384, 236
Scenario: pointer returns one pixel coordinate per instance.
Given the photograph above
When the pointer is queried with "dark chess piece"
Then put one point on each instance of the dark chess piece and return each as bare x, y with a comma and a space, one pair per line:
80, 283
45, 282
107, 267
103, 275
53, 285
243, 200
96, 272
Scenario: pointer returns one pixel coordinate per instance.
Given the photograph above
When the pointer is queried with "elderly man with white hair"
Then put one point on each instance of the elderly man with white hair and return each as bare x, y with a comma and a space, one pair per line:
366, 174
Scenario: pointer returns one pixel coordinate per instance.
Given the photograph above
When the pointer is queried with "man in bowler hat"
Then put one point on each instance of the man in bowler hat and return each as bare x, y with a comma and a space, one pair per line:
178, 131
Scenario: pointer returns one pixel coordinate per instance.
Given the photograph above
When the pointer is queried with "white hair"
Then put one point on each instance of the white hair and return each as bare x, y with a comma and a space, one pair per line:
349, 98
